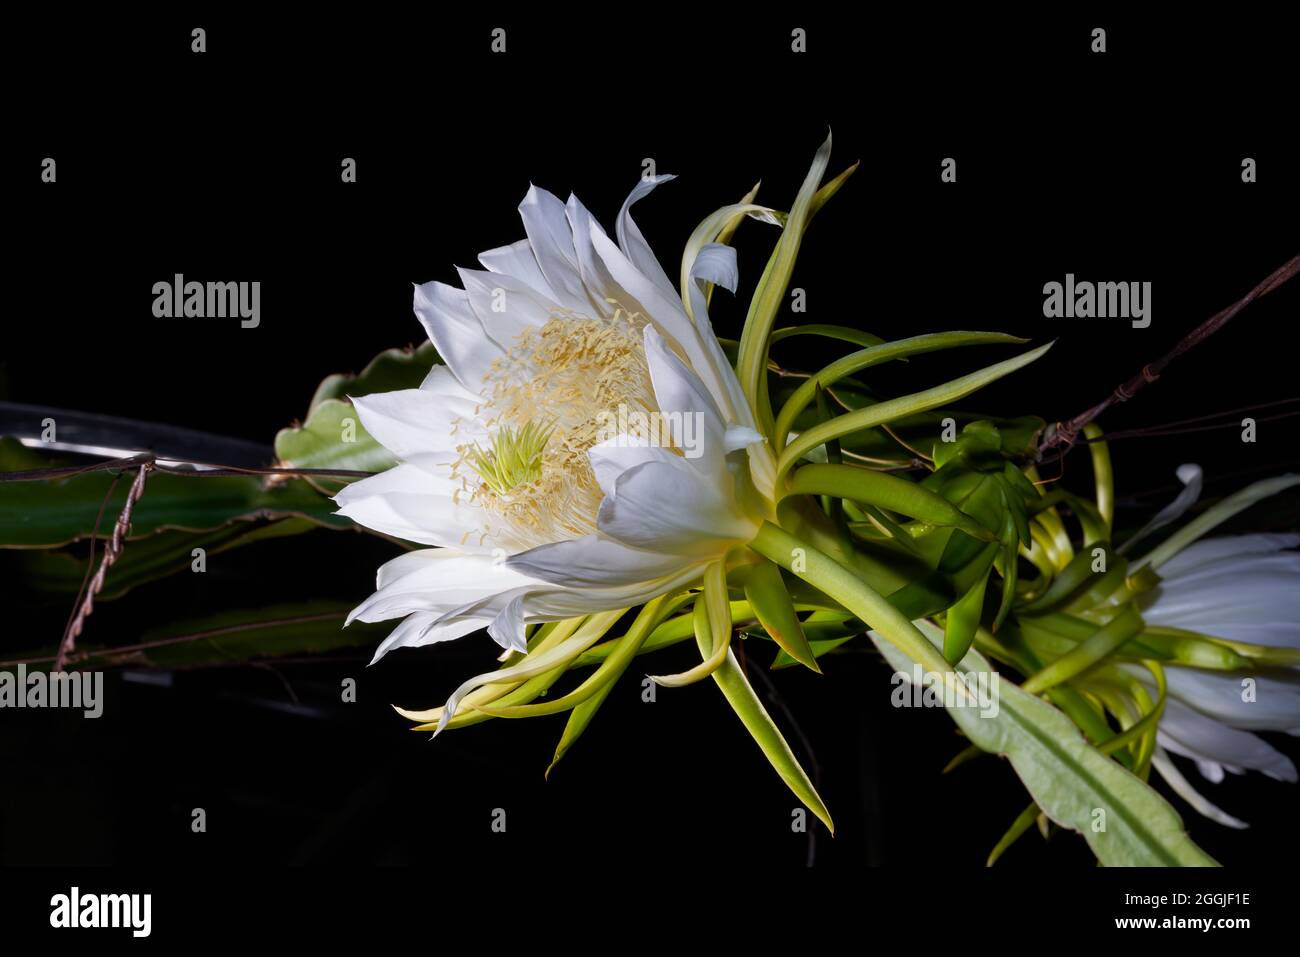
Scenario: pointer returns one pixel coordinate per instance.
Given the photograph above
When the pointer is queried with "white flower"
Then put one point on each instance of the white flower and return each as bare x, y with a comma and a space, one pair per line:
1241, 589
526, 460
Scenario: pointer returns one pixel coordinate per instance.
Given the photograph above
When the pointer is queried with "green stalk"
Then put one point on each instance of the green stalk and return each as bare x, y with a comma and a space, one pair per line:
884, 491
891, 409
870, 356
1103, 474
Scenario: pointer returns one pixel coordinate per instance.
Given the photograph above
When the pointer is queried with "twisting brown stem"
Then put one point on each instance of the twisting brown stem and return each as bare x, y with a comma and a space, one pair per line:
112, 550
1064, 434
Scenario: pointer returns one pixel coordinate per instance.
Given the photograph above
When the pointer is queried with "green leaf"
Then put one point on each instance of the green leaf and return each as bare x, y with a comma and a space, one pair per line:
61, 571
1068, 778
47, 513
389, 371
333, 437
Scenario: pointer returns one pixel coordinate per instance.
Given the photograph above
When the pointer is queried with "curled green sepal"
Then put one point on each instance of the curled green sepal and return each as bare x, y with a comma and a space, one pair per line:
963, 619
768, 596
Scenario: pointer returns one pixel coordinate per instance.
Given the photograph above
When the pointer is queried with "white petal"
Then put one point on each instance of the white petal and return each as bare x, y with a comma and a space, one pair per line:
741, 437
517, 260
419, 629
1191, 476
412, 424
669, 507
507, 628
600, 284
614, 456
1224, 548
1183, 788
505, 306
633, 244
410, 503
551, 237
1275, 706
716, 264
1194, 735
593, 561
435, 581
1279, 571
455, 332
1245, 596
663, 309
1212, 771
693, 415
546, 602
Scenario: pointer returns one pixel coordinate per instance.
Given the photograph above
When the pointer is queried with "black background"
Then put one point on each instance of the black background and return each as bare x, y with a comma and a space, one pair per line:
225, 165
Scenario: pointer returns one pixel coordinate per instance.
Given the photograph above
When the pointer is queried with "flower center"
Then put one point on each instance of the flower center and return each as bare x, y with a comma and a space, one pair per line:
514, 459
560, 389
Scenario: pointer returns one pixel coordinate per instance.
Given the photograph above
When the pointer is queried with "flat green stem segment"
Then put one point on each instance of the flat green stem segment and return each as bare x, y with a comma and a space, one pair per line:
1124, 821
823, 572
883, 412
740, 695
884, 491
870, 356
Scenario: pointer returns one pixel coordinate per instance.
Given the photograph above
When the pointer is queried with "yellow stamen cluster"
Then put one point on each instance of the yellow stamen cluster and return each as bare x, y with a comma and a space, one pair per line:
574, 373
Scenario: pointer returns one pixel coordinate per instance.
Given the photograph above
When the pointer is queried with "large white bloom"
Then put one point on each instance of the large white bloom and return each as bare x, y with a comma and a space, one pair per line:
1240, 588
525, 459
